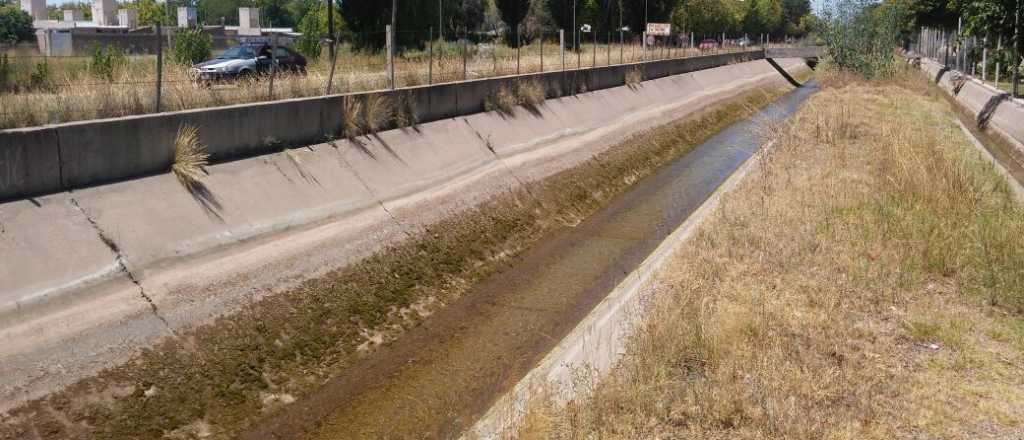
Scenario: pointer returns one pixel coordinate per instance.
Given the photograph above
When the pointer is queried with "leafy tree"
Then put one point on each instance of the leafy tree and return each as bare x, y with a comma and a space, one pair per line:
706, 17
538, 20
151, 12
860, 36
513, 12
314, 27
219, 11
763, 16
15, 24
192, 46
275, 13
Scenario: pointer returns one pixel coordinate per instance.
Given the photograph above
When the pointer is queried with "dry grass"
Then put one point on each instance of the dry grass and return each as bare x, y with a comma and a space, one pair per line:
190, 157
70, 93
634, 76
530, 93
527, 93
377, 112
351, 117
866, 282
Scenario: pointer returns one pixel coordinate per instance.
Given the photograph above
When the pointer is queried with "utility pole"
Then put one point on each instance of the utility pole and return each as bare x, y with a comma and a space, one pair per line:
392, 33
1016, 51
330, 25
574, 30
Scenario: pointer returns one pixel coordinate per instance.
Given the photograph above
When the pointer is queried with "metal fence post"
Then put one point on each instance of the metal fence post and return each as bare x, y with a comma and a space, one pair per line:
334, 62
643, 45
594, 62
390, 43
1016, 52
273, 64
561, 46
430, 69
159, 67
518, 50
465, 73
542, 52
999, 49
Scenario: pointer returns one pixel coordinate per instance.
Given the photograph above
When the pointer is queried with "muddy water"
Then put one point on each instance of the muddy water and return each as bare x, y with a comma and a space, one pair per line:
437, 379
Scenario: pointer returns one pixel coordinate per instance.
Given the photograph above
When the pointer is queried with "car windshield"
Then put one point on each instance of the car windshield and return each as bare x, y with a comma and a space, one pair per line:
237, 53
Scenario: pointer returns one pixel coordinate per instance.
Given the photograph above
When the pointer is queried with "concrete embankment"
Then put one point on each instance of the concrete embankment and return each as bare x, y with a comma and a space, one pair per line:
589, 351
993, 110
60, 157
91, 275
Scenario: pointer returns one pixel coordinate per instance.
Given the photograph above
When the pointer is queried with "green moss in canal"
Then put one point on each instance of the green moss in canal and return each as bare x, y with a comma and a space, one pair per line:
216, 380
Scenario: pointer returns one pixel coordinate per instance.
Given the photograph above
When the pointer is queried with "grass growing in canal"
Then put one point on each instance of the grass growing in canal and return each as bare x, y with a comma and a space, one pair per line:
866, 282
215, 381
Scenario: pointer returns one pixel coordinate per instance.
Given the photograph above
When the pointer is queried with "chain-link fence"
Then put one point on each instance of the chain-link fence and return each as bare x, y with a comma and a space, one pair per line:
992, 59
36, 89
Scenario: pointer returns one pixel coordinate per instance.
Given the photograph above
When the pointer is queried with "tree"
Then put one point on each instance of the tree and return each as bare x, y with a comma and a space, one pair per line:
538, 20
275, 13
314, 27
763, 17
794, 16
706, 17
15, 24
367, 20
219, 11
151, 12
513, 12
192, 46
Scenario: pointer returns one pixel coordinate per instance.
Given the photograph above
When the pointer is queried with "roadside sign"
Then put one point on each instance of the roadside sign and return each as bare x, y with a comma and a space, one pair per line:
659, 29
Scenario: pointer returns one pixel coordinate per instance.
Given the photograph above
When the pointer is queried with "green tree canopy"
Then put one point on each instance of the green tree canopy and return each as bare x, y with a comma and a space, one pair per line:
513, 12
706, 17
15, 24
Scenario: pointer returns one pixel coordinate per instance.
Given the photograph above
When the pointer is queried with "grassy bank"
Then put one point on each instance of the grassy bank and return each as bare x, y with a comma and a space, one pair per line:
214, 381
867, 281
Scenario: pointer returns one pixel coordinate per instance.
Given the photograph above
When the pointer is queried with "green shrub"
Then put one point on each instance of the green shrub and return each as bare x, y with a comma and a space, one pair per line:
106, 60
15, 24
192, 46
5, 71
861, 35
40, 79
309, 43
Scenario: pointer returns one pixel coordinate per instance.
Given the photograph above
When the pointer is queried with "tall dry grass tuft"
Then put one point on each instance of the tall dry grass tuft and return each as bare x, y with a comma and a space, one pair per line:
530, 93
190, 156
634, 76
504, 100
377, 112
351, 117
866, 283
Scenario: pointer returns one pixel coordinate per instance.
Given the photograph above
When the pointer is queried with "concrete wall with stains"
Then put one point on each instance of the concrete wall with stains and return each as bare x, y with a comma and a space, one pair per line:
43, 160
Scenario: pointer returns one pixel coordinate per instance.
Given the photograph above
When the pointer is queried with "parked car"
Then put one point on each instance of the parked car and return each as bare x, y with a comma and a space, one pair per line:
708, 44
744, 42
248, 61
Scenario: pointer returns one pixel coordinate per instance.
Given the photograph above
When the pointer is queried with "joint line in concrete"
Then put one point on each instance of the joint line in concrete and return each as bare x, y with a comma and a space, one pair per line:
122, 263
520, 181
369, 190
